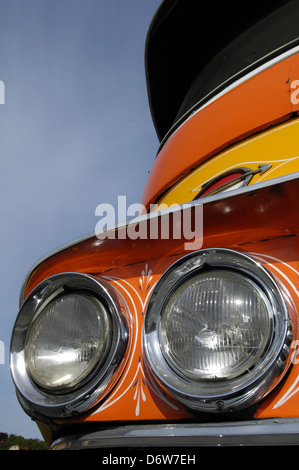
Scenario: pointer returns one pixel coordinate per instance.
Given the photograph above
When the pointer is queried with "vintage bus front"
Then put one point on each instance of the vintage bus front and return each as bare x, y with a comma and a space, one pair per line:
180, 328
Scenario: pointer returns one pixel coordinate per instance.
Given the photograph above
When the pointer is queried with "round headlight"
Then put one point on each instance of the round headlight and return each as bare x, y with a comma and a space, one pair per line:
215, 325
67, 342
68, 339
216, 330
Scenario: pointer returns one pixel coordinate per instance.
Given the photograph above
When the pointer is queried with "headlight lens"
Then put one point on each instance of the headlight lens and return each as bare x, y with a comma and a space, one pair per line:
215, 325
67, 340
217, 331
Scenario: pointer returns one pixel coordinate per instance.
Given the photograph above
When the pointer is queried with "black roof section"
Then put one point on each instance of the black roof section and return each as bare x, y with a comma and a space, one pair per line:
194, 46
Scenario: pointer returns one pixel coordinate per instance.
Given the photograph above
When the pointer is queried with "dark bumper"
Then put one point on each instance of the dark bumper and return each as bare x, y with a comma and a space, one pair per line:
268, 432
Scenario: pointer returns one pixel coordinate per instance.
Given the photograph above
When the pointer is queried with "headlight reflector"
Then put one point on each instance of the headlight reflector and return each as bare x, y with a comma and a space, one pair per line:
67, 340
217, 331
215, 325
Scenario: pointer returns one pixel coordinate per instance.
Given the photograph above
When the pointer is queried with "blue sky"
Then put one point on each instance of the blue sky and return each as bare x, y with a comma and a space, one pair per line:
75, 132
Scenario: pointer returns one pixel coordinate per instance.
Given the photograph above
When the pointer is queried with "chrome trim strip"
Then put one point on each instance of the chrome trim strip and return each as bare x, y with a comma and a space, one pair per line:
270, 432
197, 108
203, 201
44, 258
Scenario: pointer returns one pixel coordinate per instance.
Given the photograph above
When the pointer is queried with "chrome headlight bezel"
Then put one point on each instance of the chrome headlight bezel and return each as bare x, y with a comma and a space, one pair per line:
77, 399
223, 395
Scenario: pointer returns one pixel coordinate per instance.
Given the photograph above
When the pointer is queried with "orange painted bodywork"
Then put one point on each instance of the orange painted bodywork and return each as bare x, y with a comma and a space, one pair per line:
256, 104
250, 225
254, 222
